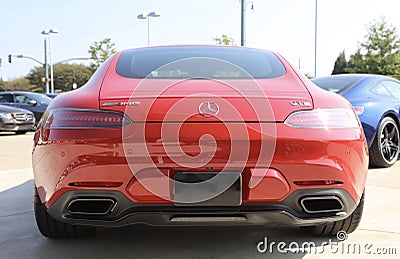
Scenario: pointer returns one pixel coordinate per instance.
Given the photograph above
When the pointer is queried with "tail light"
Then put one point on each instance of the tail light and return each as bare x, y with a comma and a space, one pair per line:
324, 119
84, 119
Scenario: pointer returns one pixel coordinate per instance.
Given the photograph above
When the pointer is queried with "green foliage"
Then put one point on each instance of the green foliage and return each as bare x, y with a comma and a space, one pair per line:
382, 39
100, 51
224, 40
17, 84
2, 84
356, 63
382, 51
340, 64
379, 54
35, 77
64, 75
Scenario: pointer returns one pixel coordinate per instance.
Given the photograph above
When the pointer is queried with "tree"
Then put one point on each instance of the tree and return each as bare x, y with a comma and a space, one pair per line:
100, 51
382, 39
356, 63
16, 84
35, 78
2, 84
340, 64
224, 40
64, 77
382, 51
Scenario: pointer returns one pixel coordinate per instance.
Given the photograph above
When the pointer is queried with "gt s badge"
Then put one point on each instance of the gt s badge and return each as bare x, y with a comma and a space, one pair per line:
300, 103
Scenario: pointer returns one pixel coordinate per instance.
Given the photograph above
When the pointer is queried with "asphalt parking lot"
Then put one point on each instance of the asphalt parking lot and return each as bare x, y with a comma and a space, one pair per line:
378, 235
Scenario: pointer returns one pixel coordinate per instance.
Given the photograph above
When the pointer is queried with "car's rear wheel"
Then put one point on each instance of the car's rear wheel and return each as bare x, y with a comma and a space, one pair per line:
348, 224
20, 132
384, 150
52, 228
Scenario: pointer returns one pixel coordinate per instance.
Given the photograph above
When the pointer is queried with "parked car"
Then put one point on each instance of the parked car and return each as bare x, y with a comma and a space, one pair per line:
198, 135
16, 120
34, 102
376, 100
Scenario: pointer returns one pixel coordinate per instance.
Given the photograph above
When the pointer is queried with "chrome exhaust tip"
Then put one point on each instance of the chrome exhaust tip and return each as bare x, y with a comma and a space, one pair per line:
321, 204
91, 206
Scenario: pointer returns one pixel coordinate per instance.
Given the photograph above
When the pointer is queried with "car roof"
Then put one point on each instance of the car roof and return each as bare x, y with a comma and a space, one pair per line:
183, 46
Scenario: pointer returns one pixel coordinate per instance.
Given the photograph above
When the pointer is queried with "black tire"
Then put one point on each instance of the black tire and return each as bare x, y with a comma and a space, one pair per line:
384, 150
348, 224
20, 132
52, 228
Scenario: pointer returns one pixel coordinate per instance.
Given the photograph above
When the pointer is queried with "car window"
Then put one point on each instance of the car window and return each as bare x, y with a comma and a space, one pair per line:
6, 98
335, 84
199, 62
393, 87
380, 89
22, 99
41, 98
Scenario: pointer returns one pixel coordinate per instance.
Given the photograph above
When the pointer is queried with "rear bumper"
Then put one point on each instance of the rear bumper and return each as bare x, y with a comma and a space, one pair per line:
16, 127
319, 163
126, 212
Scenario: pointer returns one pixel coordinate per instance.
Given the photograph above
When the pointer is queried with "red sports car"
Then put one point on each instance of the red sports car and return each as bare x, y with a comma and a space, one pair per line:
191, 135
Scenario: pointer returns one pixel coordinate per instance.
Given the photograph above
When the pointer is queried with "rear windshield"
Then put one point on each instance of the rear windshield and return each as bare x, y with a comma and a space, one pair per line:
335, 84
199, 62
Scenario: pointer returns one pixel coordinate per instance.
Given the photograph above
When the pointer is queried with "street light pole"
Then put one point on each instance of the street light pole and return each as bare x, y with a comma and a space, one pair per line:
27, 57
48, 32
51, 67
147, 16
46, 67
51, 61
243, 23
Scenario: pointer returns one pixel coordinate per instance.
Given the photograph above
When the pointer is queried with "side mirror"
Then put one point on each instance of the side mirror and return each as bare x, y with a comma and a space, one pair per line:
32, 102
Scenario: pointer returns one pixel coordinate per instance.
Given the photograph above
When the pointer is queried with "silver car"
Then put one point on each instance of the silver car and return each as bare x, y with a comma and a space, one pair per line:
16, 120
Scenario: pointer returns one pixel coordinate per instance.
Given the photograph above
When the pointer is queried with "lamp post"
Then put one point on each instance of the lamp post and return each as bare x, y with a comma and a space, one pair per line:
243, 4
147, 16
46, 67
243, 23
48, 33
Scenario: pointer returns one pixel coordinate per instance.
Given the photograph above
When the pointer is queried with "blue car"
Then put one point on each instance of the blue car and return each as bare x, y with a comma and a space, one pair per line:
376, 99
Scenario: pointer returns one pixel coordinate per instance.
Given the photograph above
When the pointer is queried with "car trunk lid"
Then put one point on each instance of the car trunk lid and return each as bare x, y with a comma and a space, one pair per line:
197, 100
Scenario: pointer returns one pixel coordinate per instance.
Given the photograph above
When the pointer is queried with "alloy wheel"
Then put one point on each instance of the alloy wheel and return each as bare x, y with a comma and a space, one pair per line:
389, 141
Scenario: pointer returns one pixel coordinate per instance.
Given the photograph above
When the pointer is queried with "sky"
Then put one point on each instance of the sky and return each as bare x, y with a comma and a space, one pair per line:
283, 26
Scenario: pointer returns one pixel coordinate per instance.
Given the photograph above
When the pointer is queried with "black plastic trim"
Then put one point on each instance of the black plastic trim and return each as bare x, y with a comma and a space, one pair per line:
127, 212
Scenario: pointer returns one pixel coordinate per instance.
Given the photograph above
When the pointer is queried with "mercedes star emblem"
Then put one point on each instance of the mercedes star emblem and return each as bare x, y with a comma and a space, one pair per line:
208, 109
